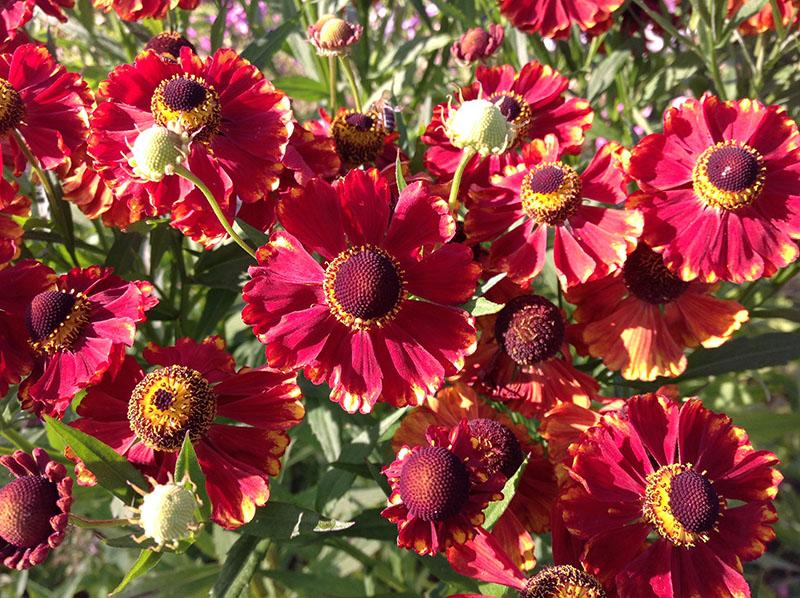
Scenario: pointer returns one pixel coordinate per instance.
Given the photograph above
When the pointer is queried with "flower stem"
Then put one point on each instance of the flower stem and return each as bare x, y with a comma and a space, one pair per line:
351, 79
466, 156
54, 200
332, 83
79, 521
189, 176
17, 439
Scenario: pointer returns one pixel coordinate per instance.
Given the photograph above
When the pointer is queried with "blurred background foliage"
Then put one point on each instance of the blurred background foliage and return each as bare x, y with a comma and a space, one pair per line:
304, 543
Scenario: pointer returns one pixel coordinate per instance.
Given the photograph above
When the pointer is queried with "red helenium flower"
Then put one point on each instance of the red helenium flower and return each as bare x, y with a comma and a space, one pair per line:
351, 321
679, 472
34, 508
523, 359
238, 122
764, 20
640, 320
64, 332
44, 103
11, 204
439, 491
545, 193
503, 444
478, 43
147, 416
553, 18
533, 99
135, 10
721, 189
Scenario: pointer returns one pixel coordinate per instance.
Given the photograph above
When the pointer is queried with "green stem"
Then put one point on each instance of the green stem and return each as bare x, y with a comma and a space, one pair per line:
79, 521
53, 199
716, 75
17, 439
466, 156
332, 84
351, 80
189, 176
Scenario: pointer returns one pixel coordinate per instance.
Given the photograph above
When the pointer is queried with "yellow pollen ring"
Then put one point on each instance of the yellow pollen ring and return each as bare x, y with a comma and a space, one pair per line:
66, 333
356, 146
168, 403
12, 109
658, 513
713, 196
554, 207
339, 311
201, 121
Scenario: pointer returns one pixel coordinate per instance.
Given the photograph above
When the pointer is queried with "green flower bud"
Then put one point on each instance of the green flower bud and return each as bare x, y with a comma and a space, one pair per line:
481, 126
156, 153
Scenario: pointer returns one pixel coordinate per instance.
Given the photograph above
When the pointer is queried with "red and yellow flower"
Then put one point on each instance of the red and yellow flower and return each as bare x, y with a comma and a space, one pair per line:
533, 100
541, 193
62, 333
640, 320
238, 126
351, 321
34, 508
721, 189
12, 205
764, 19
503, 445
439, 491
553, 18
523, 359
136, 10
670, 500
146, 416
44, 104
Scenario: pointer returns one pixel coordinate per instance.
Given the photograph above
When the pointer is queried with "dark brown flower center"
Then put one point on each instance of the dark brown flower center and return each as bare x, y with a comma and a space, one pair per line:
188, 103
364, 286
648, 278
501, 451
693, 501
169, 402
12, 109
563, 581
551, 192
169, 43
358, 136
55, 319
530, 329
434, 484
729, 175
26, 506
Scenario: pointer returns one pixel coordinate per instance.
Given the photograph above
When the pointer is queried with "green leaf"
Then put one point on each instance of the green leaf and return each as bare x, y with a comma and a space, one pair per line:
495, 509
747, 10
744, 353
485, 307
112, 470
217, 306
398, 173
284, 521
123, 253
240, 564
187, 464
302, 88
218, 27
146, 561
605, 72
260, 51
326, 429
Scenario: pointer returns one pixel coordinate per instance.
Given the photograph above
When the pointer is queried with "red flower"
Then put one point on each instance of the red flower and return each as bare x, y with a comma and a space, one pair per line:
721, 189
135, 10
764, 20
533, 99
44, 103
64, 332
11, 204
478, 43
350, 321
503, 445
238, 122
13, 15
590, 240
34, 508
439, 491
669, 470
523, 360
640, 320
553, 18
147, 416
